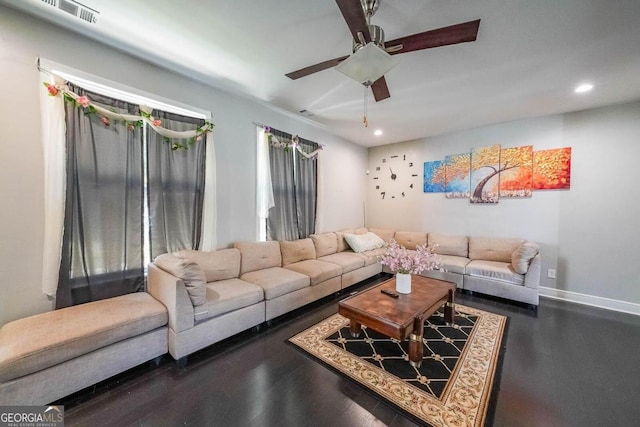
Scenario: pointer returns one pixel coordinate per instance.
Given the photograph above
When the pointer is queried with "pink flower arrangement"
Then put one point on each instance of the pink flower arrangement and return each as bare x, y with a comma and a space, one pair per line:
401, 260
157, 122
105, 120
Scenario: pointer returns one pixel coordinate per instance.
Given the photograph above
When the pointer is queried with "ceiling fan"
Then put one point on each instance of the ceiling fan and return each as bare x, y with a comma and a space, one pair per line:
358, 13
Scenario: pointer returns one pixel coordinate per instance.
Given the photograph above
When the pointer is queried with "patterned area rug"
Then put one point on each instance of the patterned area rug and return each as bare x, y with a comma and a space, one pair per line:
453, 385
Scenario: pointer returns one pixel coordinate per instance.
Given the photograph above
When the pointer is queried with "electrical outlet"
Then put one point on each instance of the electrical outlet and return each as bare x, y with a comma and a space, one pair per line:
551, 273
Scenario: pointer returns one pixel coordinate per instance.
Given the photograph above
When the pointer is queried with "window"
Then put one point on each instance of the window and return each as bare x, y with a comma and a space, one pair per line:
287, 185
129, 196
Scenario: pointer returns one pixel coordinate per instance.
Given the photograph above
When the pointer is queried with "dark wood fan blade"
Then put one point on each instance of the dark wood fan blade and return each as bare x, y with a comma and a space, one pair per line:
303, 72
454, 34
354, 16
380, 89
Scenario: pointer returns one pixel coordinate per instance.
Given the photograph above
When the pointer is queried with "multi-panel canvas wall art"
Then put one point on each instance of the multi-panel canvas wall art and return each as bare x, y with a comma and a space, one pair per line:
552, 169
516, 172
434, 177
457, 175
487, 174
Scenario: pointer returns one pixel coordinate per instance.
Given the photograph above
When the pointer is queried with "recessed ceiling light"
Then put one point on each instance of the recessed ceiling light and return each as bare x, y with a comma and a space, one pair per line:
378, 132
584, 88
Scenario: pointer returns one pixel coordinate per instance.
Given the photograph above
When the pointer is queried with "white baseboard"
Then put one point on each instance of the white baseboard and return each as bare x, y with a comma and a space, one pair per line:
594, 301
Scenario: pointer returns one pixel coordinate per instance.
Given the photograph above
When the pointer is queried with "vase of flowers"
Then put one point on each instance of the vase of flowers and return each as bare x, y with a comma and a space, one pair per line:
406, 262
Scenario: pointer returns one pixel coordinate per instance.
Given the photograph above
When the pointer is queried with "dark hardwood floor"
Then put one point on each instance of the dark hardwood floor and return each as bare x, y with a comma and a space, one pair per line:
564, 365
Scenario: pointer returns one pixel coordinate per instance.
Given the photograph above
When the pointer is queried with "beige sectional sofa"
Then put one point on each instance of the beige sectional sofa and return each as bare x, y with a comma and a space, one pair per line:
213, 295
209, 296
503, 267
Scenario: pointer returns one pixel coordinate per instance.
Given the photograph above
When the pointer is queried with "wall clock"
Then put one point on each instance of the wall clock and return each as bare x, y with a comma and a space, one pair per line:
395, 176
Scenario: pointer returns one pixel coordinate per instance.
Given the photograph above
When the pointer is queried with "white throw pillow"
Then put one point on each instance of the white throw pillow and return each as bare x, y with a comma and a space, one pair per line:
364, 242
521, 257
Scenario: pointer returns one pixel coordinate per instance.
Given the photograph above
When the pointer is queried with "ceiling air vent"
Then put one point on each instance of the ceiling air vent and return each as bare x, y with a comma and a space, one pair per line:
306, 112
76, 9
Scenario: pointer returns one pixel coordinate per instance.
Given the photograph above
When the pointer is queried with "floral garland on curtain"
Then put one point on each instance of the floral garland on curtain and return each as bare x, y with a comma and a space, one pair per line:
130, 120
294, 143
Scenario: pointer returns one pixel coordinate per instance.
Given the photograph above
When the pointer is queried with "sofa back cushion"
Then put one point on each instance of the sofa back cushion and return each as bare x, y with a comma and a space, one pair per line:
258, 255
187, 271
342, 243
449, 245
383, 233
493, 248
216, 265
297, 250
364, 242
325, 243
522, 256
410, 239
361, 230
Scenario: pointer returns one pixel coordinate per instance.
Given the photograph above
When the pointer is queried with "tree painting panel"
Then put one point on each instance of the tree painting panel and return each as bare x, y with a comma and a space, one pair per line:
485, 174
552, 169
434, 177
457, 169
516, 172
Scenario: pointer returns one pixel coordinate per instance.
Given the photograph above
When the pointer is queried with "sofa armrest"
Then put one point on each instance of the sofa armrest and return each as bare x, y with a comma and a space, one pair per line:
171, 292
532, 278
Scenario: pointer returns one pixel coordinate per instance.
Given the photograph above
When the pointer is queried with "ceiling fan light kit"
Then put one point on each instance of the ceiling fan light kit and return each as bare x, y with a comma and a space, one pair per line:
367, 64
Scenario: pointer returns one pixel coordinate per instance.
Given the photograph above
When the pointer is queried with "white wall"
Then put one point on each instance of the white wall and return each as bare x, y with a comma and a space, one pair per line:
23, 38
590, 233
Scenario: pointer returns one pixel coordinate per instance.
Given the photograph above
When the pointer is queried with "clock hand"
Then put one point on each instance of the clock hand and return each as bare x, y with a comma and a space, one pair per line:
393, 175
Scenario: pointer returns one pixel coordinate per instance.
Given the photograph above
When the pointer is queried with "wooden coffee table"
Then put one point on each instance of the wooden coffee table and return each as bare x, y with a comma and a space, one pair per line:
401, 317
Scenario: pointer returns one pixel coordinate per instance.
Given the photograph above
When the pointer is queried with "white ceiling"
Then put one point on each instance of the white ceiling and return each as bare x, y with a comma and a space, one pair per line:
528, 57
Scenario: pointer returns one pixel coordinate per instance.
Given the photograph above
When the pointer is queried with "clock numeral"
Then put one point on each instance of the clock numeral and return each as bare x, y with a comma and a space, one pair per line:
415, 174
410, 164
383, 194
384, 160
375, 177
377, 168
394, 157
393, 197
378, 187
411, 186
404, 157
403, 194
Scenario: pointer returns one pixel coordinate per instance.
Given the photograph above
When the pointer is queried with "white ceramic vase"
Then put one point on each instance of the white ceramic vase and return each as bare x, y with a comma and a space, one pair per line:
403, 283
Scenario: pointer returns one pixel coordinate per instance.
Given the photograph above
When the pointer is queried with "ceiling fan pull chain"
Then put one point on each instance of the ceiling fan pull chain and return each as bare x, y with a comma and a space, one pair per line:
364, 119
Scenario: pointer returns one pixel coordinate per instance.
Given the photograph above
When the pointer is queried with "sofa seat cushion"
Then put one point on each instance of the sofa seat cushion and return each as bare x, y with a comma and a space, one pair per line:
318, 271
38, 342
349, 261
495, 270
373, 256
453, 264
228, 295
277, 281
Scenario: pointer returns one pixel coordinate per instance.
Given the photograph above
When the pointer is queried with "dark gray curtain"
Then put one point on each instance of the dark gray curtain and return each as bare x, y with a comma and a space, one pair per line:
294, 191
306, 184
176, 187
103, 238
282, 223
